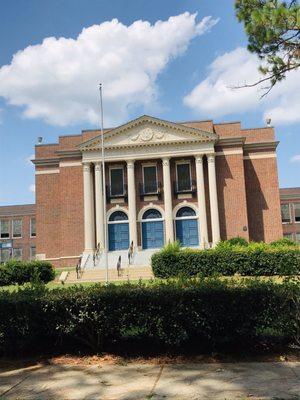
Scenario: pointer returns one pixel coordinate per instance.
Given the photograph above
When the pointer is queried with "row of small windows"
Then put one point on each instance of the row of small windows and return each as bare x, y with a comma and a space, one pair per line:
16, 254
16, 228
290, 213
150, 184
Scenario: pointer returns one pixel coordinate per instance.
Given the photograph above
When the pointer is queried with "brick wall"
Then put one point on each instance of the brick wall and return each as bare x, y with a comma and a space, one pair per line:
263, 201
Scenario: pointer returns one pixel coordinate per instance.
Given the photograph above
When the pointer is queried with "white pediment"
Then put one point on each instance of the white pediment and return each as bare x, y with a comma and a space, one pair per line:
148, 131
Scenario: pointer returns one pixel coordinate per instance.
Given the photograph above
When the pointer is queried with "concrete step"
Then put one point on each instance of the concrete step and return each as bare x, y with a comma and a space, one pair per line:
140, 258
99, 275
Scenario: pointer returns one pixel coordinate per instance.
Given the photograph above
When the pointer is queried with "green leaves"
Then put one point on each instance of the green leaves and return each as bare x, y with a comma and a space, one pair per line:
20, 272
229, 258
273, 30
203, 315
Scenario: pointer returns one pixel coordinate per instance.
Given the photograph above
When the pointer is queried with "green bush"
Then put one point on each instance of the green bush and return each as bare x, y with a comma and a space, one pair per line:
16, 272
204, 315
284, 242
235, 241
253, 260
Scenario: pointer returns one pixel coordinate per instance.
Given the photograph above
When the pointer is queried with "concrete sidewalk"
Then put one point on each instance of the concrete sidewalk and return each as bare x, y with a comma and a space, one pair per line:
230, 381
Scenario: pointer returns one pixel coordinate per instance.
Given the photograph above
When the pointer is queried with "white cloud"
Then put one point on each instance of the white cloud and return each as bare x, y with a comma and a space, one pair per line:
58, 79
215, 96
29, 158
32, 188
295, 159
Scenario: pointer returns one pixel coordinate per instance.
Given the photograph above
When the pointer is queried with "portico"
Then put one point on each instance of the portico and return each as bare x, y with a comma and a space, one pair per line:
166, 146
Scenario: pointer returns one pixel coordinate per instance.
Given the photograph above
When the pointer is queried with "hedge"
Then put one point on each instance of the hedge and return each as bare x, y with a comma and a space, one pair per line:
207, 315
16, 272
253, 260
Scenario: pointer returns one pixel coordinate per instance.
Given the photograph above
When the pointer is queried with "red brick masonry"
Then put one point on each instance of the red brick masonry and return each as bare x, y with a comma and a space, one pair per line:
248, 191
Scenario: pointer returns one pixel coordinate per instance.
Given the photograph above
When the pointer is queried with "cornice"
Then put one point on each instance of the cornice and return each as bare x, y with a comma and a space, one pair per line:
68, 153
272, 145
46, 162
231, 141
145, 144
295, 196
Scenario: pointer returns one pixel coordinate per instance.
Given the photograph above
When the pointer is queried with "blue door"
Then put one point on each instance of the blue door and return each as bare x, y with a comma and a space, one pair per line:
152, 234
187, 232
118, 235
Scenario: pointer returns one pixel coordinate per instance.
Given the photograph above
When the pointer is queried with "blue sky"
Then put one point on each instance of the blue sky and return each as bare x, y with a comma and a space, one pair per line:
178, 70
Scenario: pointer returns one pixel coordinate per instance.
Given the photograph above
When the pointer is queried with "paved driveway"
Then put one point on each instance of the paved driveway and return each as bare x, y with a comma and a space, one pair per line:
230, 381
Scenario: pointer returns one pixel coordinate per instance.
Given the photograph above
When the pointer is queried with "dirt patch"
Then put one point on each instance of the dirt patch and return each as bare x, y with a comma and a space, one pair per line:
291, 354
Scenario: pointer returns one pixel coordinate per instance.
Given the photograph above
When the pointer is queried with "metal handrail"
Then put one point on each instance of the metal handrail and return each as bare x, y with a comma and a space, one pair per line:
191, 188
109, 195
154, 188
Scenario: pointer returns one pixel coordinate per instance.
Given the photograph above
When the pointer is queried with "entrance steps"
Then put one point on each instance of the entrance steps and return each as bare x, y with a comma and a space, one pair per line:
131, 273
140, 258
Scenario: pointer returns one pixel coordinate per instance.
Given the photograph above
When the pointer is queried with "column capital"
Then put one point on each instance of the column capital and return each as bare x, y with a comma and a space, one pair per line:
130, 163
199, 158
166, 161
98, 166
86, 166
211, 157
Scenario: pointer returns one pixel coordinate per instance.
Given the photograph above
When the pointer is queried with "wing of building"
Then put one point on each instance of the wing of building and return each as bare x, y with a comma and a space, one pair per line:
197, 182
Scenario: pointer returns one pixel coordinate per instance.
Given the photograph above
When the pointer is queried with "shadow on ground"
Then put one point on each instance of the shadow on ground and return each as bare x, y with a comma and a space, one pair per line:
132, 381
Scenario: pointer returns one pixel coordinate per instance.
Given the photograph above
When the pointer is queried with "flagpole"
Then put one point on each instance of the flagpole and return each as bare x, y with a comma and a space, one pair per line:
105, 250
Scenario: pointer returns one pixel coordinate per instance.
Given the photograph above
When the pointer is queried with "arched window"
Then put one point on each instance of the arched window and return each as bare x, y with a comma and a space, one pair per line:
152, 214
118, 216
185, 212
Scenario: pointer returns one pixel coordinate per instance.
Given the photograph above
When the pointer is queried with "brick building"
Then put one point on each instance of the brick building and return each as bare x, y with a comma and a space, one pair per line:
290, 212
17, 232
198, 182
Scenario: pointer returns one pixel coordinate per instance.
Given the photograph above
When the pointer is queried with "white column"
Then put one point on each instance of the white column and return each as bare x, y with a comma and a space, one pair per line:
89, 222
213, 196
99, 205
131, 203
168, 200
201, 201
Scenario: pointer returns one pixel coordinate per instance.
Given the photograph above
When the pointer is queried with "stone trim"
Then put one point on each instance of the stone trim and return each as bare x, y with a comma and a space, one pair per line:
208, 136
260, 156
47, 171
70, 163
229, 152
261, 146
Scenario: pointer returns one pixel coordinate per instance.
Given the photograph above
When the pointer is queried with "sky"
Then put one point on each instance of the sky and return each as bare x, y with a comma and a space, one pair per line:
177, 60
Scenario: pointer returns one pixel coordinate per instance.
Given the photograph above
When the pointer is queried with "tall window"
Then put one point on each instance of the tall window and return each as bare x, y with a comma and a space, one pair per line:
17, 254
150, 178
17, 228
32, 253
116, 181
297, 237
4, 228
183, 177
285, 213
297, 212
32, 227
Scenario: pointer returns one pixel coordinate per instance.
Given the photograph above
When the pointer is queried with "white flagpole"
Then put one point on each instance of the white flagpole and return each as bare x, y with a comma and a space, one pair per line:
105, 249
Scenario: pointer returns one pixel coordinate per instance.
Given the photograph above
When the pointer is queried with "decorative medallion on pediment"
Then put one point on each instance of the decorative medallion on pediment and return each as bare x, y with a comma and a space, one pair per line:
147, 134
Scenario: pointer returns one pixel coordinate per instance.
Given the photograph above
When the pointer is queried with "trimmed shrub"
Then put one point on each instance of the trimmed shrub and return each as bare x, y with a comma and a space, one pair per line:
236, 241
207, 315
16, 272
254, 260
284, 242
